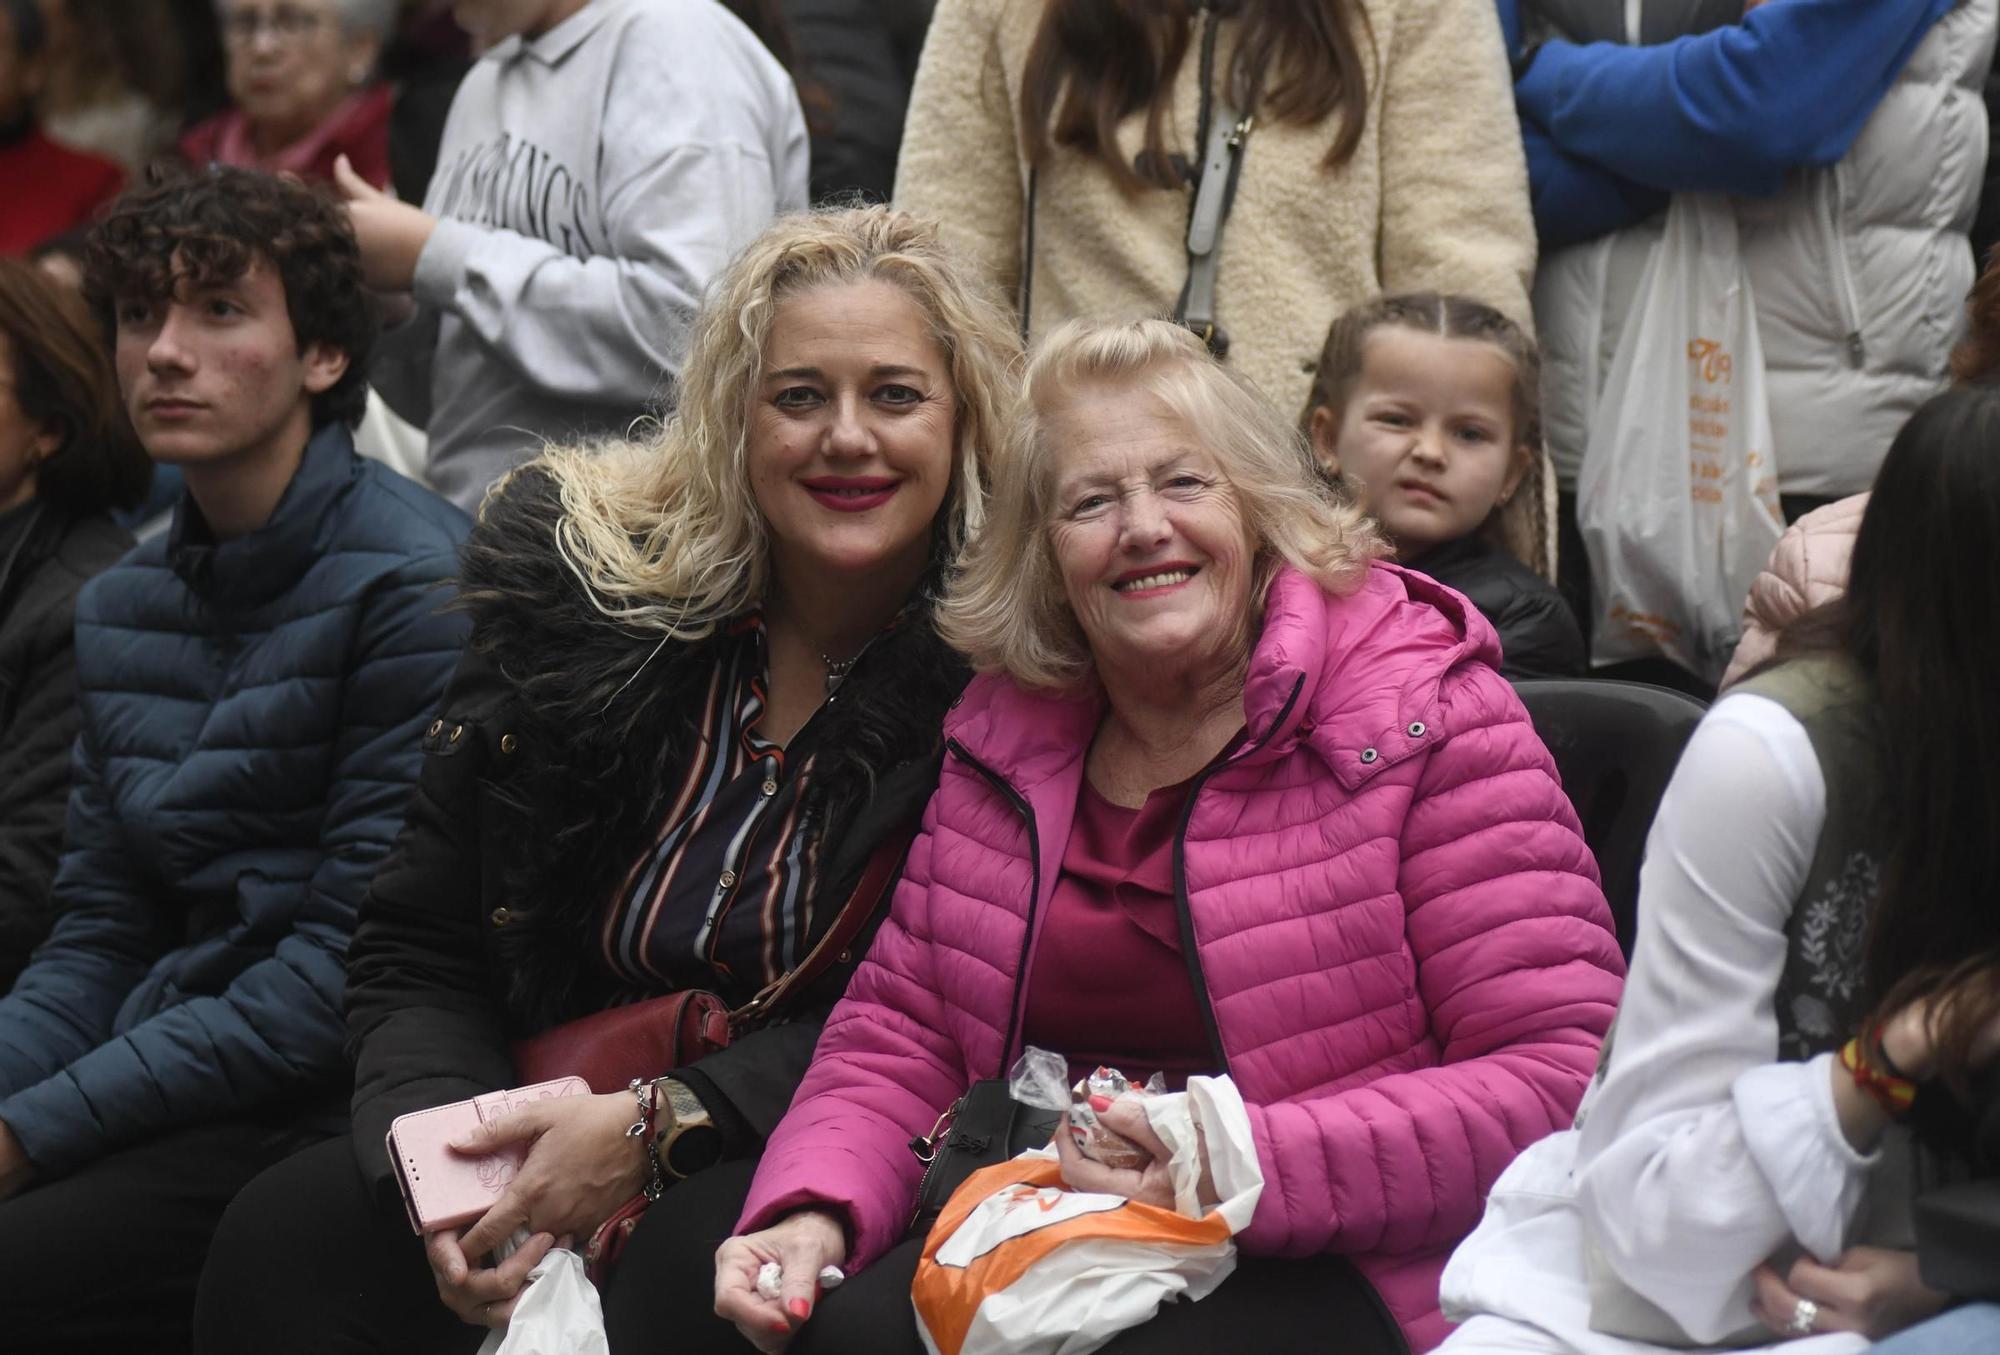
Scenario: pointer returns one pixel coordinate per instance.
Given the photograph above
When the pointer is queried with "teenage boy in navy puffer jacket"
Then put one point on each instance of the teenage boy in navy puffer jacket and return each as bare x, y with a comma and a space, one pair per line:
253, 687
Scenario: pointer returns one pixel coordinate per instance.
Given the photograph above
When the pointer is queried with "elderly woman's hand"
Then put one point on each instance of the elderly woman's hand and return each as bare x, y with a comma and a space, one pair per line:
391, 234
802, 1244
1151, 1184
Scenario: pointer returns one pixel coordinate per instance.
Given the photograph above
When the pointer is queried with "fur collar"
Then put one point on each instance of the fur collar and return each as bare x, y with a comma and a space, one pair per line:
603, 720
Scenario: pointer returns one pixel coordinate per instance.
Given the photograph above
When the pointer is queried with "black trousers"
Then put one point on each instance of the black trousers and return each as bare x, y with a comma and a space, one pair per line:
666, 1284
107, 1257
307, 1262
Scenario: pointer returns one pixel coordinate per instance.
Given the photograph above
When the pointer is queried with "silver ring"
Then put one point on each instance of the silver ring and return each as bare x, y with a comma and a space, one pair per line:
1803, 1318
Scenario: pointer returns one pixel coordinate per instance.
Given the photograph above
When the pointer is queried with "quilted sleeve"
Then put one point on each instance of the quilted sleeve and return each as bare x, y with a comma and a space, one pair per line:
1777, 598
885, 1068
276, 1026
1520, 972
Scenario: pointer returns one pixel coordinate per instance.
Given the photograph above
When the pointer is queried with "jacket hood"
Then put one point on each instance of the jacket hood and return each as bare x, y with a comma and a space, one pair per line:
1357, 675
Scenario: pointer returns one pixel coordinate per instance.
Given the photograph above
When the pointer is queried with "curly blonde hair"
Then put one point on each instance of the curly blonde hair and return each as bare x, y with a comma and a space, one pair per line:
662, 529
1006, 609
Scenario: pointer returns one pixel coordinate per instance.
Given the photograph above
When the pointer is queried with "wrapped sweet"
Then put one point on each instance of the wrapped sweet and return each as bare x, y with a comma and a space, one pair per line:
1092, 1096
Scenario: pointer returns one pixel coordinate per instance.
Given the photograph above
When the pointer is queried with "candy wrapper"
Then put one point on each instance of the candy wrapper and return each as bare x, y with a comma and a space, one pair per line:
1038, 1079
771, 1278
1094, 1095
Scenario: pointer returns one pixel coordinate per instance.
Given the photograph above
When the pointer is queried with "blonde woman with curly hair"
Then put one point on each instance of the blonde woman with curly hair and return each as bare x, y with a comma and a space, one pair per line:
1231, 795
704, 691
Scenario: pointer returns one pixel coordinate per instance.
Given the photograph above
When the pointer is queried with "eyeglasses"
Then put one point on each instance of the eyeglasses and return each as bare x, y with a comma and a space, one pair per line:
286, 23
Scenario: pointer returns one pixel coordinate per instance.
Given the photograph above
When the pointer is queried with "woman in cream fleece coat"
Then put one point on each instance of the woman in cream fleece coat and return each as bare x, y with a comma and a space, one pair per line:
1434, 197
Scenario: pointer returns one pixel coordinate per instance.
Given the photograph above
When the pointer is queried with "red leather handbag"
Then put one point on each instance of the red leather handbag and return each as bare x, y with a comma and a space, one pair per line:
608, 1049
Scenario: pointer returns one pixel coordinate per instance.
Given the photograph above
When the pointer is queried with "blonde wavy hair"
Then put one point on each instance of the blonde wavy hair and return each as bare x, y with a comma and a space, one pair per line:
662, 529
1006, 608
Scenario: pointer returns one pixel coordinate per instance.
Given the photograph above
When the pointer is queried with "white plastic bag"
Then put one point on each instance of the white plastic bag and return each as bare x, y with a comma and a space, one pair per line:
1018, 1264
557, 1314
1677, 496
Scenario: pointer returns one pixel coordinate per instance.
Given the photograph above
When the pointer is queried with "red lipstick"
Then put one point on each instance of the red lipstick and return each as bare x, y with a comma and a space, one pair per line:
851, 493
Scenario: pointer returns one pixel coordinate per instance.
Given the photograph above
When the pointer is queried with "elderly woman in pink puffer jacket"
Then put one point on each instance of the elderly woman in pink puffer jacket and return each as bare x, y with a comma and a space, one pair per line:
1232, 796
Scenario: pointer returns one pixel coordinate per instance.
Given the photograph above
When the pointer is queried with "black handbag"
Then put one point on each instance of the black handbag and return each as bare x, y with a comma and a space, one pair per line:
1958, 1222
984, 1126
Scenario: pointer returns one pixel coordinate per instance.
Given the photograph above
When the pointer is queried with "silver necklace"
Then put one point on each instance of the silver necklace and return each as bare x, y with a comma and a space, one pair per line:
836, 673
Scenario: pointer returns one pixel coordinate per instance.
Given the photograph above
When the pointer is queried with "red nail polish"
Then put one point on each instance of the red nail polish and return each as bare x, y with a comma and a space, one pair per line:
1100, 1104
782, 1328
800, 1309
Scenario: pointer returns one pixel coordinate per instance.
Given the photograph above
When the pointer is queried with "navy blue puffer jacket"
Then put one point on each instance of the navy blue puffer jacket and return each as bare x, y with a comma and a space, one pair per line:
252, 721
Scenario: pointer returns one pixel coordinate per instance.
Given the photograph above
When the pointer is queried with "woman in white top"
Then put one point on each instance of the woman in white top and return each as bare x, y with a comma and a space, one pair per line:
1817, 938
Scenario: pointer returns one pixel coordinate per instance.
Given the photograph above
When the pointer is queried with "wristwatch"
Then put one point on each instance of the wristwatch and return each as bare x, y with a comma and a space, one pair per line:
685, 1139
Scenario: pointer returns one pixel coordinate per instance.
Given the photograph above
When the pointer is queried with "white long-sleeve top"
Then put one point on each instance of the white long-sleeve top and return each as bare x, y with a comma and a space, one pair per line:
1697, 1155
591, 184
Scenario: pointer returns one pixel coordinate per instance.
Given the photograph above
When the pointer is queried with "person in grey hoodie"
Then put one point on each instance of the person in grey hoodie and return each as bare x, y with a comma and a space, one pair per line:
602, 161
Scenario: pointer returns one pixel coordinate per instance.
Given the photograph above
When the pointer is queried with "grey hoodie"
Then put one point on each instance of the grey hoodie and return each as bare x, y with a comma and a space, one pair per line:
591, 183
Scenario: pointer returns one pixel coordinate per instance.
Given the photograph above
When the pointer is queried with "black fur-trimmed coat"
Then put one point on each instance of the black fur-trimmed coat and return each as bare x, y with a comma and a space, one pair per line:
542, 783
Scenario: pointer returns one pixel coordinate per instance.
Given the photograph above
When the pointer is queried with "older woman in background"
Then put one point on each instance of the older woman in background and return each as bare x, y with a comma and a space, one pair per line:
67, 458
1230, 796
302, 74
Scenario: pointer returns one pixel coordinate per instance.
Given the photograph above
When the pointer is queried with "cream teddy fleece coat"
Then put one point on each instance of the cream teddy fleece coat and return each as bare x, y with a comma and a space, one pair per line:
1434, 199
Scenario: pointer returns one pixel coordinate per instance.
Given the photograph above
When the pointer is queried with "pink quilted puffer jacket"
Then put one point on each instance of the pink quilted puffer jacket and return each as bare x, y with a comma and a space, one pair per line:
1398, 931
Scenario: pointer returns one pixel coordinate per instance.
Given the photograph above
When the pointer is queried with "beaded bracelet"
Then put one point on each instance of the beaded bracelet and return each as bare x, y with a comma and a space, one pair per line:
1893, 1093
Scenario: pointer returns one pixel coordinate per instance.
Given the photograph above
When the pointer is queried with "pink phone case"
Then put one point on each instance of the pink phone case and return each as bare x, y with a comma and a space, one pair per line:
443, 1189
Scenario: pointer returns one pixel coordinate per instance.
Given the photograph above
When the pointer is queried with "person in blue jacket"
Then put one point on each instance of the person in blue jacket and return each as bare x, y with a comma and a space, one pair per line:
1851, 140
254, 686
1612, 127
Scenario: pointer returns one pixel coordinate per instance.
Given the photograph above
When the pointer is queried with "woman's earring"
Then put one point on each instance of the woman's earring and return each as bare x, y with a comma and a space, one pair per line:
357, 73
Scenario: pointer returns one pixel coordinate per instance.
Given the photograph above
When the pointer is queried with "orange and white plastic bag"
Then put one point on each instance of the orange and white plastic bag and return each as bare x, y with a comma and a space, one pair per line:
1018, 1263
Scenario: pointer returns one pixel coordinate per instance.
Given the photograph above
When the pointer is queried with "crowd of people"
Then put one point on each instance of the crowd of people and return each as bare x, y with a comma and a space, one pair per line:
792, 551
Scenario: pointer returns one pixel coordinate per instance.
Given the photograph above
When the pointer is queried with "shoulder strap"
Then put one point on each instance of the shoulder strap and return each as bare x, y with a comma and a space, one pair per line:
884, 866
1223, 132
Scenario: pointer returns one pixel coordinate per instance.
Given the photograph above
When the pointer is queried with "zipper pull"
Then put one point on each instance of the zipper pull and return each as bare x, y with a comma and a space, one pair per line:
1856, 352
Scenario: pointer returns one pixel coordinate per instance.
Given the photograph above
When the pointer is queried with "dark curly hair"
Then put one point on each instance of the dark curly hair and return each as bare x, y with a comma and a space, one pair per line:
207, 226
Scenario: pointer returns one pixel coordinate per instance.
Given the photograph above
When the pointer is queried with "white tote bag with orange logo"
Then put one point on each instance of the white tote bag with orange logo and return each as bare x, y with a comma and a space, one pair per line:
1677, 497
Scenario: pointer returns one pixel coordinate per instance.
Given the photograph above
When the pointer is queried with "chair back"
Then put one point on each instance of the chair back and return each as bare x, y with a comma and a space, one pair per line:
1615, 745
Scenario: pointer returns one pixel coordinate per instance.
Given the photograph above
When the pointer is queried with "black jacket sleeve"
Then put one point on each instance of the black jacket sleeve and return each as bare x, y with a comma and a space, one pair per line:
747, 1087
424, 1022
35, 743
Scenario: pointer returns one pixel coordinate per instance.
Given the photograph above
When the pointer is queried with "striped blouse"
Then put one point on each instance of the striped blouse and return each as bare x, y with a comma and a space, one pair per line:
721, 899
